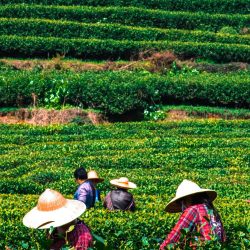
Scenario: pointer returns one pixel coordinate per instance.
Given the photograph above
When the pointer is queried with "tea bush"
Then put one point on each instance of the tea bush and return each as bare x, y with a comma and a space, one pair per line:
120, 92
208, 6
228, 30
101, 32
115, 49
156, 156
128, 16
48, 28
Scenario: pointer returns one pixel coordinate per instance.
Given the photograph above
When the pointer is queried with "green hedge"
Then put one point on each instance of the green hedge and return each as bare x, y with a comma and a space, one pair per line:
156, 156
144, 229
65, 29
209, 6
128, 16
18, 46
120, 92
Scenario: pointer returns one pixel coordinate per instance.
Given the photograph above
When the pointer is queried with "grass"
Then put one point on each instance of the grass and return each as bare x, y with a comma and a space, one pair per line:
205, 110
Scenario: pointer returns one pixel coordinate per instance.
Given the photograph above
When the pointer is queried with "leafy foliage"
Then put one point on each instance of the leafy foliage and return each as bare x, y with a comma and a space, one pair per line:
119, 92
48, 28
210, 6
128, 16
156, 156
154, 113
113, 49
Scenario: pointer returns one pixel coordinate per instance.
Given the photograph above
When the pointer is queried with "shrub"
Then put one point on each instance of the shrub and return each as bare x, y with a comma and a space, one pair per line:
167, 152
112, 49
208, 6
128, 16
120, 92
228, 30
154, 113
53, 28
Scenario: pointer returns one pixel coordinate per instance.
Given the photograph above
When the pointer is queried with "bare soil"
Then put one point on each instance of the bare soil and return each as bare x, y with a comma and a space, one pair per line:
177, 115
47, 117
150, 64
75, 66
184, 115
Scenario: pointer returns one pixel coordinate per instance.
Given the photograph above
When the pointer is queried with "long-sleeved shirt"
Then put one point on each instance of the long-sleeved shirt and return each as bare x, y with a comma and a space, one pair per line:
80, 238
86, 194
197, 218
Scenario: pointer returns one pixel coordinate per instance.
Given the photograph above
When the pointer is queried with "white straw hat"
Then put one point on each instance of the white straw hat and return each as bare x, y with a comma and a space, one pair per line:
53, 210
187, 188
123, 182
92, 175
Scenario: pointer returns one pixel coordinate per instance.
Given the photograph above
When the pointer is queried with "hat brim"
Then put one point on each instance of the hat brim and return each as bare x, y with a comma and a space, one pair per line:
45, 219
97, 180
174, 205
116, 183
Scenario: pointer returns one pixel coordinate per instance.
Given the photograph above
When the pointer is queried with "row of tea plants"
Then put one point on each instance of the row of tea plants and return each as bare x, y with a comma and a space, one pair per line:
117, 92
156, 156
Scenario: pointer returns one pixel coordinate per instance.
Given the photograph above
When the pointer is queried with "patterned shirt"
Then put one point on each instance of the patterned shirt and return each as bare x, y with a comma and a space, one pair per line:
80, 238
194, 218
86, 194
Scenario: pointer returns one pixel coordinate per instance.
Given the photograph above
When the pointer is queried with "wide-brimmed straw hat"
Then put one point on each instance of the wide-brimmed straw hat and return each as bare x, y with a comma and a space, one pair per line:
187, 188
92, 175
53, 210
123, 182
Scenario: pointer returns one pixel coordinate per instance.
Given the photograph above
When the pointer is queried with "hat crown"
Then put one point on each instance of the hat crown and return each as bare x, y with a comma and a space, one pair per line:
92, 175
123, 180
187, 187
50, 200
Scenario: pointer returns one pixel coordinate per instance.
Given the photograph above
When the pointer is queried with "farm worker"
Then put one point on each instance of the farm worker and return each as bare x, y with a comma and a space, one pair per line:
198, 214
54, 211
120, 198
93, 177
86, 190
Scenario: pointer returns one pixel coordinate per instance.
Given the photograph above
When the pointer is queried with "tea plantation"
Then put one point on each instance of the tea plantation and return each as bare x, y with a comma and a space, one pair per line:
108, 29
156, 156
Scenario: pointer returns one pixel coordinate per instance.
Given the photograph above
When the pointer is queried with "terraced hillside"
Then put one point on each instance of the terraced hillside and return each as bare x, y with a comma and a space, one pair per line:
157, 157
212, 29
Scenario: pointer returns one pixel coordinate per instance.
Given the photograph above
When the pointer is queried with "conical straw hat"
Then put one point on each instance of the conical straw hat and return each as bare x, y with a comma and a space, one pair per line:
53, 210
92, 175
123, 182
187, 188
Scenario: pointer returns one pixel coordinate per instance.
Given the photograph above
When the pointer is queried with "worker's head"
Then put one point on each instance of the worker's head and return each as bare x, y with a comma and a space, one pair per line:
80, 175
